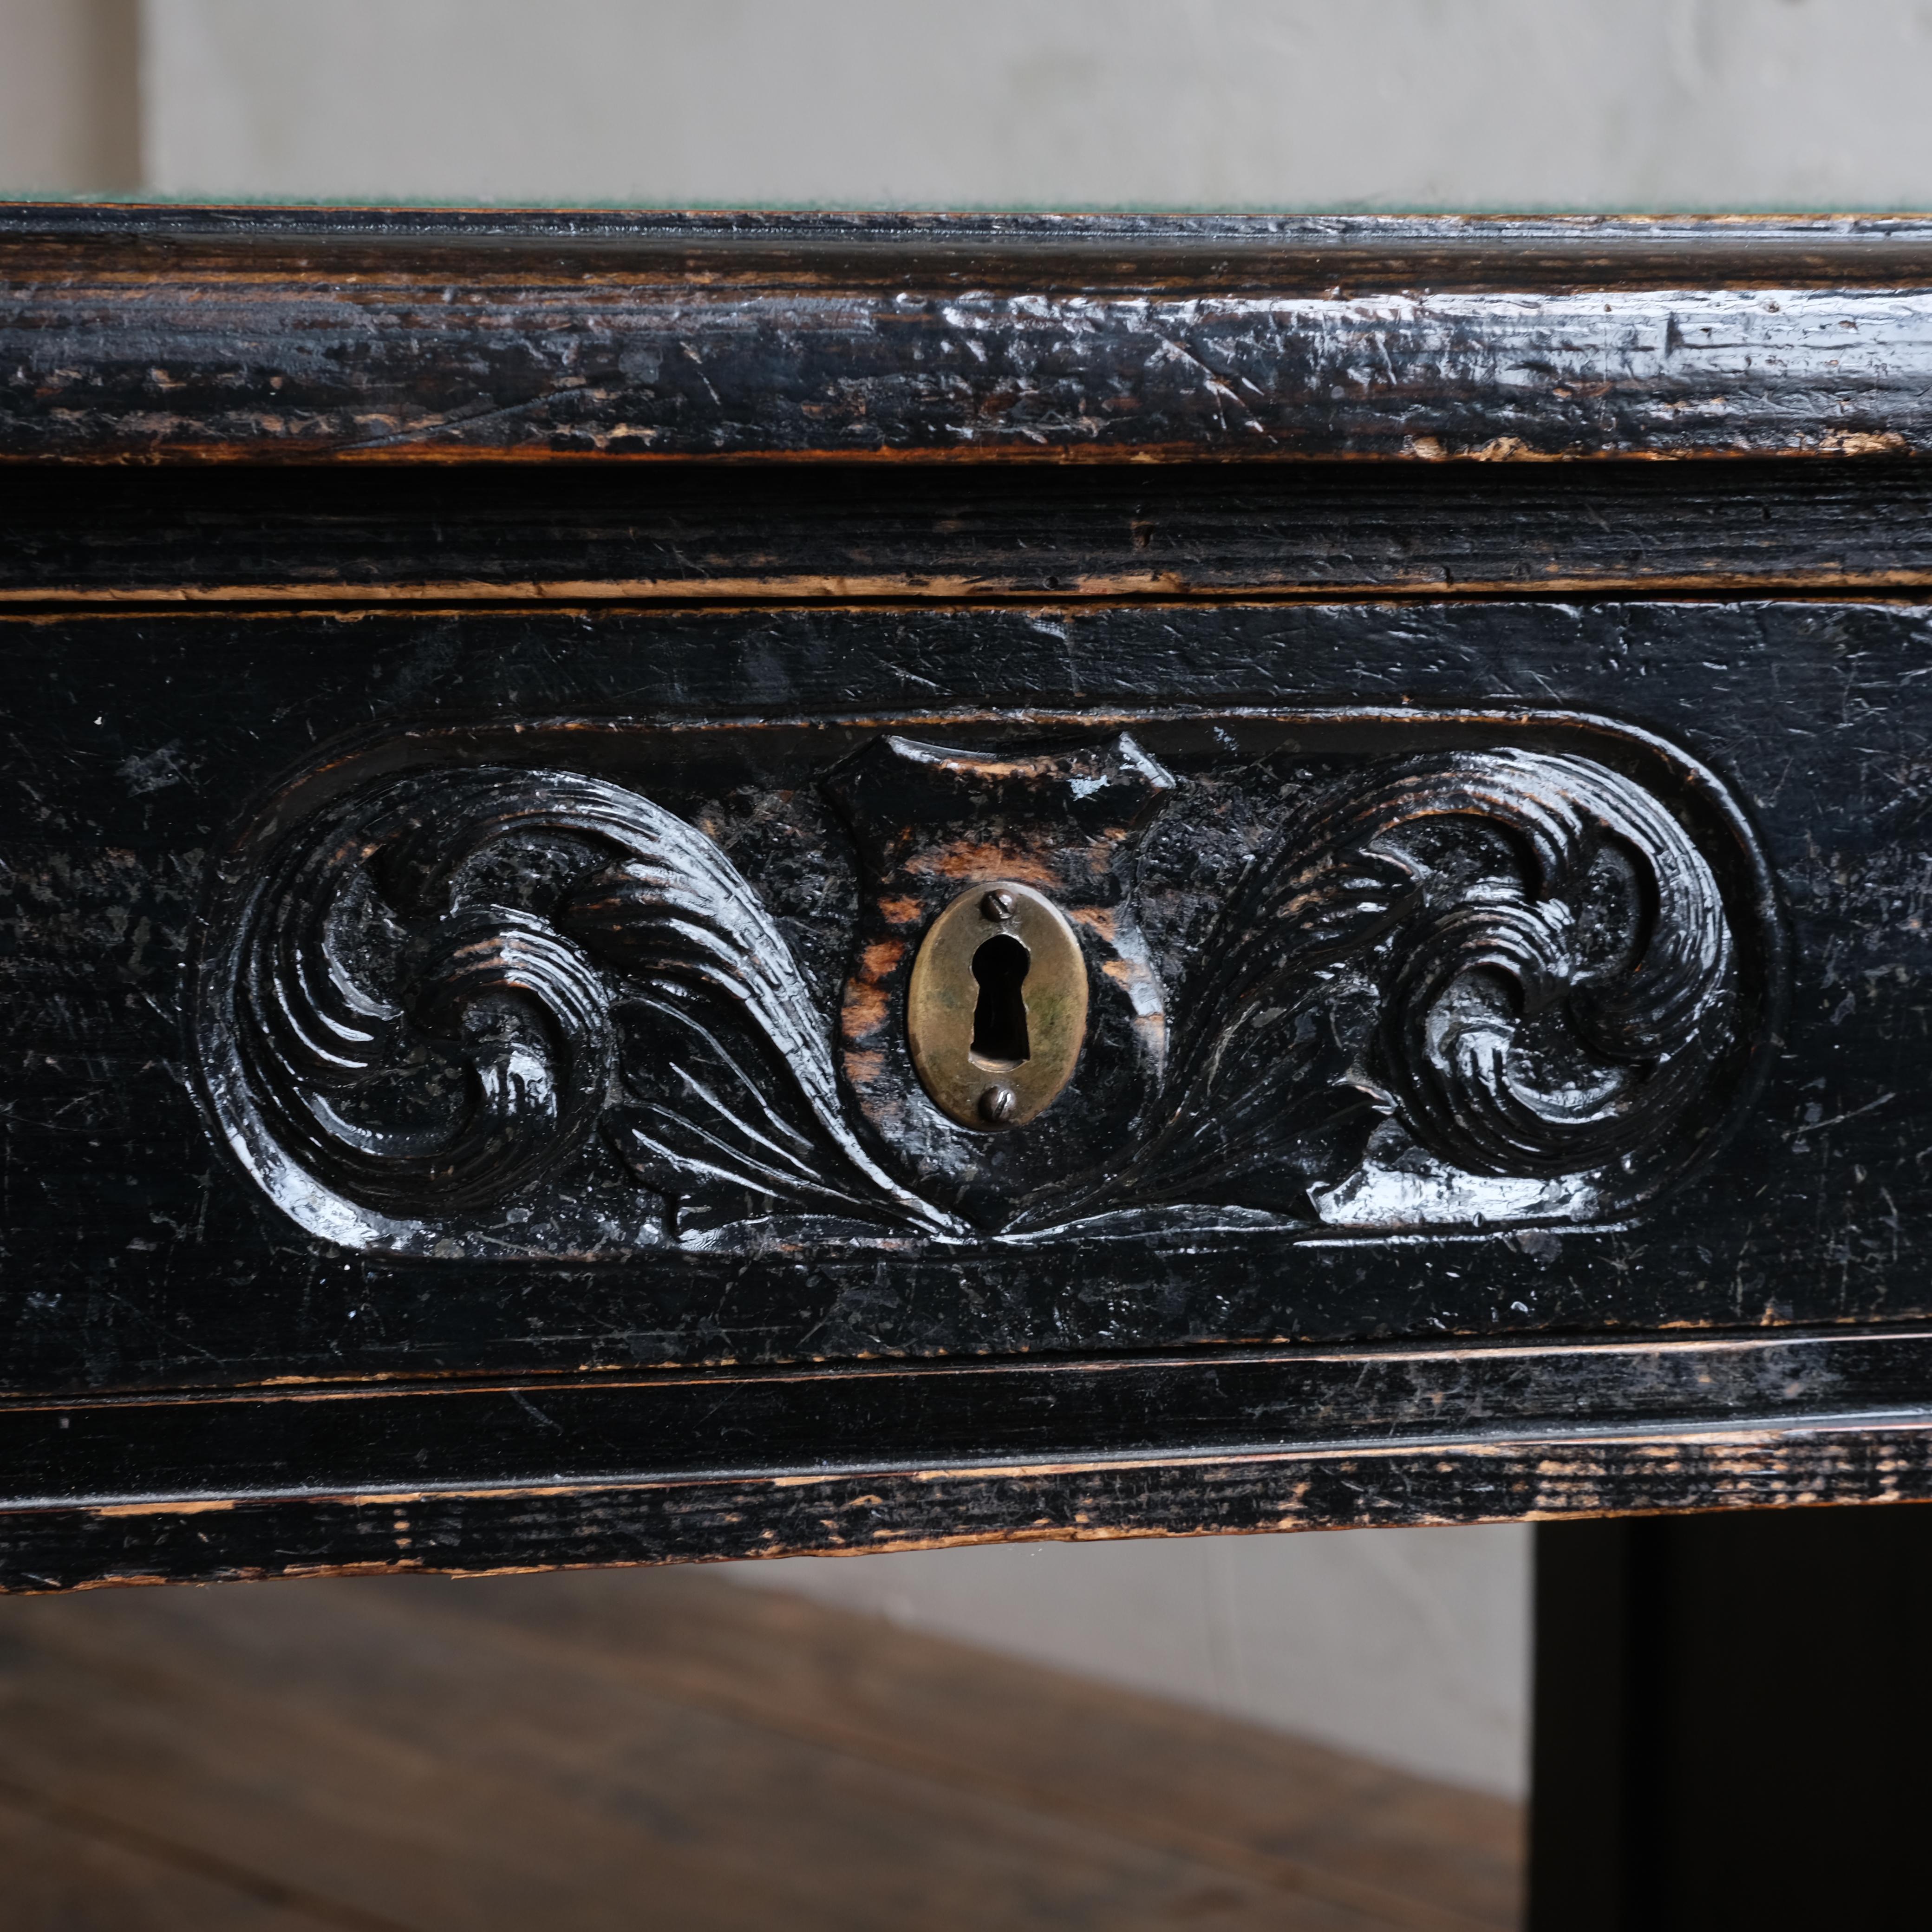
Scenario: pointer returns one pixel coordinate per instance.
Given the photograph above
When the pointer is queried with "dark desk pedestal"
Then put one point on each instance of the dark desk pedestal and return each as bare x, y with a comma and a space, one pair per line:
1731, 1714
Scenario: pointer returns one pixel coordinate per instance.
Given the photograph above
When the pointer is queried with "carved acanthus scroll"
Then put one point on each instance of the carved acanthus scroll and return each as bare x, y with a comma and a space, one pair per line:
433, 985
450, 996
1519, 958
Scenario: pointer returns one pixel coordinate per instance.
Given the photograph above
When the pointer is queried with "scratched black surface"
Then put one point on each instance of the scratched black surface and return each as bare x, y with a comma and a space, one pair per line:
393, 336
587, 532
139, 1256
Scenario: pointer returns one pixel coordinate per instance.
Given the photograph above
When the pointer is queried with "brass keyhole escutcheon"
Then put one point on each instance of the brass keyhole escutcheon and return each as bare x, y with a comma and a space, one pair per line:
996, 1012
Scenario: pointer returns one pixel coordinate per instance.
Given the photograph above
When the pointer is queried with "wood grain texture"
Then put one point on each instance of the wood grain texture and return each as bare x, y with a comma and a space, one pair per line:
128, 1456
371, 336
1858, 1459
670, 1751
75, 1871
473, 539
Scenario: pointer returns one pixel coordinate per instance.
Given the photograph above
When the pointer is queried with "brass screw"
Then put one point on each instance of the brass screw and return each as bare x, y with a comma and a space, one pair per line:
996, 906
997, 1104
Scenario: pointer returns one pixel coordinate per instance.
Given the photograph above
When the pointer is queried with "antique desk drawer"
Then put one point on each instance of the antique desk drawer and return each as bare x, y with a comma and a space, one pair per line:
794, 976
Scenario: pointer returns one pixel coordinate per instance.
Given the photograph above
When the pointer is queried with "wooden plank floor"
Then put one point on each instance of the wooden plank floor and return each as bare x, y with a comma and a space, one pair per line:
662, 1749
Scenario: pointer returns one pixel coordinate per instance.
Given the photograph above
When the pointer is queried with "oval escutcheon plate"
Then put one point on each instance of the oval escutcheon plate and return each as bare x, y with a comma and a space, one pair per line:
996, 1009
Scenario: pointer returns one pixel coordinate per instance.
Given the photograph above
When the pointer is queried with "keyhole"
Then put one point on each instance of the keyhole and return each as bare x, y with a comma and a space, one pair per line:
1000, 1014
996, 1007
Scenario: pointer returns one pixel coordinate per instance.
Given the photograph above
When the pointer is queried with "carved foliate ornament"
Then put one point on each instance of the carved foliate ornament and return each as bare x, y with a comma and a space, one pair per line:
490, 1009
929, 822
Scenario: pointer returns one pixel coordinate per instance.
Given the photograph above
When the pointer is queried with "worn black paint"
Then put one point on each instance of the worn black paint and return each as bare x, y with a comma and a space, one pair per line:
387, 337
1870, 1458
181, 1273
1212, 1406
1790, 704
585, 534
195, 1387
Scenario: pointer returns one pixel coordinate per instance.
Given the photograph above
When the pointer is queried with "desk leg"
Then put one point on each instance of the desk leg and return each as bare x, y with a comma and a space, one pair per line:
1733, 1722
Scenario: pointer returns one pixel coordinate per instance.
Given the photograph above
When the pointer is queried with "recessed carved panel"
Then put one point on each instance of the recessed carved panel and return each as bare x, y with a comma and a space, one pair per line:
592, 991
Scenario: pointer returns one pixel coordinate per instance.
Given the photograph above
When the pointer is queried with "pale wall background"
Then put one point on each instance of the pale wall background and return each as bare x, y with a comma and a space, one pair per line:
1221, 103
1410, 1645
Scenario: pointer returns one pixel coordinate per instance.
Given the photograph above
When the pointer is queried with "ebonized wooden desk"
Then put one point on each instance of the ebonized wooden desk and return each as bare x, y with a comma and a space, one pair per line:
500, 705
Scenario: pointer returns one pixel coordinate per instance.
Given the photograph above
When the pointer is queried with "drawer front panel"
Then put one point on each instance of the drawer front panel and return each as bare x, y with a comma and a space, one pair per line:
469, 993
